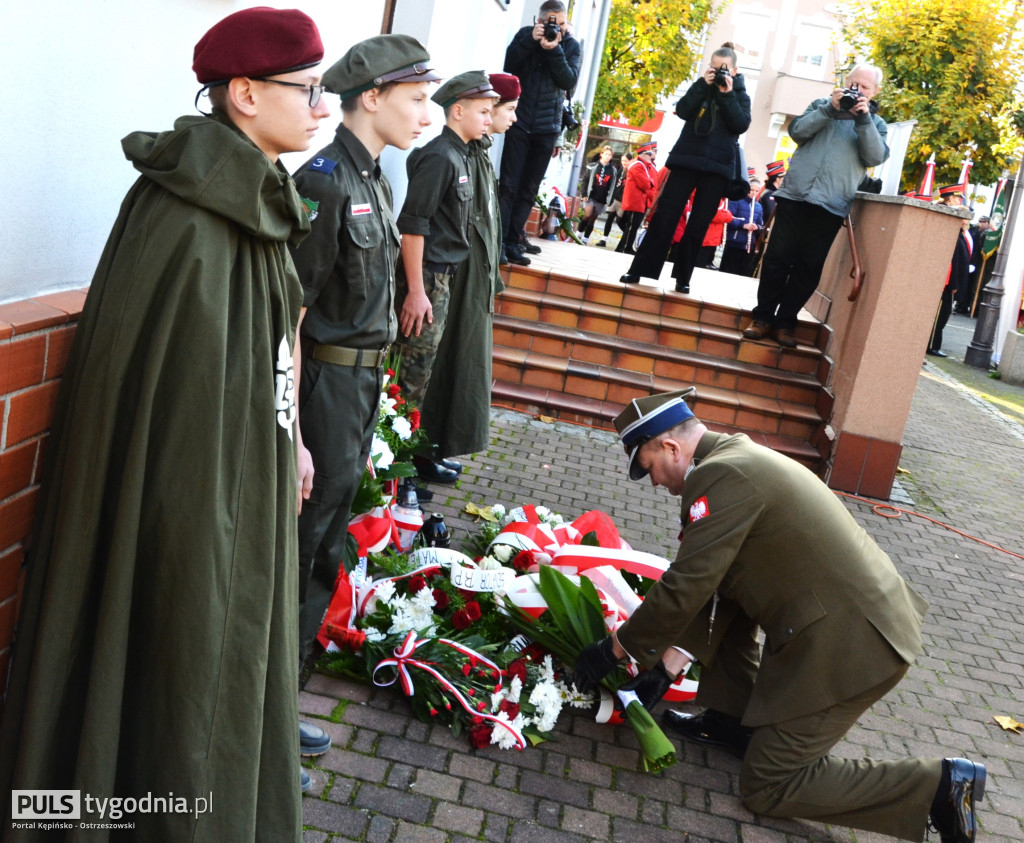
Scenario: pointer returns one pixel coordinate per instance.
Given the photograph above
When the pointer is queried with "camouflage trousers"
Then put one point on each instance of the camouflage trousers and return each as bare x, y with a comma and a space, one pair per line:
418, 353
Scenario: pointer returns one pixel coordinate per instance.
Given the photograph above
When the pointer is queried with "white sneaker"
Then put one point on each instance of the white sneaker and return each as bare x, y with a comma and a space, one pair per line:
586, 241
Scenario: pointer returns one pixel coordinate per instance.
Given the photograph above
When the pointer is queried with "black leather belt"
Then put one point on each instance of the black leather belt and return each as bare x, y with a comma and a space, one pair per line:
369, 357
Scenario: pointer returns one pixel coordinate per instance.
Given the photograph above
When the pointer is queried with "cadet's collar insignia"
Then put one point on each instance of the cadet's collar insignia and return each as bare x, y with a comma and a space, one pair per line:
323, 165
699, 509
311, 208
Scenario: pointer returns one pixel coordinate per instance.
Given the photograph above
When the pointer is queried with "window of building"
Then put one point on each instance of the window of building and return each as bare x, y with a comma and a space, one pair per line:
811, 50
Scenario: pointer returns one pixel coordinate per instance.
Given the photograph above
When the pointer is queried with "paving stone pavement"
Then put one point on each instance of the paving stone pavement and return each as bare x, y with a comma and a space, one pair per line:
391, 778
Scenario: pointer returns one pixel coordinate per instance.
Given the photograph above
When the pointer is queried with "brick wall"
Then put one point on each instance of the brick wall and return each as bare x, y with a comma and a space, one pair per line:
35, 337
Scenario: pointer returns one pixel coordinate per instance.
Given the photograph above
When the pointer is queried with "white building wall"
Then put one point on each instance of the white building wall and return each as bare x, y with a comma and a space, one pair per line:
79, 76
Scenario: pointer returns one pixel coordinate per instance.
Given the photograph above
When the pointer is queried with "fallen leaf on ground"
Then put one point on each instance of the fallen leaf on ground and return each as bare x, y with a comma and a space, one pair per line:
485, 512
547, 419
1008, 723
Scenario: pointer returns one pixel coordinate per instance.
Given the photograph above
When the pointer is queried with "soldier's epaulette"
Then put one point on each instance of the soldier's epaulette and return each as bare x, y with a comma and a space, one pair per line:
322, 165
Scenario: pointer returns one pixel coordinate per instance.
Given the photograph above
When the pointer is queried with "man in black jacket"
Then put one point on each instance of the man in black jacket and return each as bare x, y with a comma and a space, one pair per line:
547, 68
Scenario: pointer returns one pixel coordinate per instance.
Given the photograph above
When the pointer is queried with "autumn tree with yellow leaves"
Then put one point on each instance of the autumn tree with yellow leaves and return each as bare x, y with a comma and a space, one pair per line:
650, 48
955, 68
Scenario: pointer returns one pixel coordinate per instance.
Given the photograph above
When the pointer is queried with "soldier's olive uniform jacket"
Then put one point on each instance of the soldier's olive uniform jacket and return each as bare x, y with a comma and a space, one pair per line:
779, 549
457, 410
347, 264
440, 198
347, 269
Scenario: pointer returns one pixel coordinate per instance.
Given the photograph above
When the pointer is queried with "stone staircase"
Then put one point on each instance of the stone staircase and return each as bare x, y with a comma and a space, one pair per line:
579, 349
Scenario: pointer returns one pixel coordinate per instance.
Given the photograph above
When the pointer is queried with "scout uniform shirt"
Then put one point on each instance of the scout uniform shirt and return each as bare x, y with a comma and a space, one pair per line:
347, 264
440, 199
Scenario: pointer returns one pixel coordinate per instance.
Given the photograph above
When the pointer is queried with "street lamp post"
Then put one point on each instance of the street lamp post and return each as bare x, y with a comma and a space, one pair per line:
980, 350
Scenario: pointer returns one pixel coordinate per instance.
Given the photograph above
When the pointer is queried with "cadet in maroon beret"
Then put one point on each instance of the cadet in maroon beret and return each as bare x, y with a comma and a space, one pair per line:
158, 641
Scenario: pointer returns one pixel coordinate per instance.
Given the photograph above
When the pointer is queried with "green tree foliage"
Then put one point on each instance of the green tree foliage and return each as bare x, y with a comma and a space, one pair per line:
952, 65
650, 48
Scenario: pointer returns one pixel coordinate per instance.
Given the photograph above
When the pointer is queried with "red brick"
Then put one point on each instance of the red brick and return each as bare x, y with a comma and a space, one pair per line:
31, 412
10, 572
68, 301
57, 351
17, 468
16, 518
21, 363
27, 316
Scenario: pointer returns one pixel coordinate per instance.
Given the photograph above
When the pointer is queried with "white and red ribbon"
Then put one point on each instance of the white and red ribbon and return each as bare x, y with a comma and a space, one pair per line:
404, 660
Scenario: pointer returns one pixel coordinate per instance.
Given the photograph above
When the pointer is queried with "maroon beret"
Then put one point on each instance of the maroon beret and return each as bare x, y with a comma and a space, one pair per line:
506, 85
257, 42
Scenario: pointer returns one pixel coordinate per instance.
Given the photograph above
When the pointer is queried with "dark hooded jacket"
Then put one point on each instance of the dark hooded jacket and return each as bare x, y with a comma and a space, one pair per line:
714, 120
158, 645
546, 76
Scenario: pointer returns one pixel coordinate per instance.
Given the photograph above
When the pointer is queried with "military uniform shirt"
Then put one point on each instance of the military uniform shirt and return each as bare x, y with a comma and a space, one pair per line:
440, 198
347, 264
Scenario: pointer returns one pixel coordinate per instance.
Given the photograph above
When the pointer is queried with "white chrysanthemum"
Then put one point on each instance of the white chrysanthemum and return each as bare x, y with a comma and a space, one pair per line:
571, 695
547, 670
496, 699
502, 736
515, 689
381, 453
503, 553
498, 511
401, 426
385, 591
547, 701
543, 513
423, 600
374, 634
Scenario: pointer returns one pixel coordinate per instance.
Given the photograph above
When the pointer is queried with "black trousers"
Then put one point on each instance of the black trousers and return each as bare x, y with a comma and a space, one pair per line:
945, 308
738, 261
802, 235
631, 221
650, 257
524, 160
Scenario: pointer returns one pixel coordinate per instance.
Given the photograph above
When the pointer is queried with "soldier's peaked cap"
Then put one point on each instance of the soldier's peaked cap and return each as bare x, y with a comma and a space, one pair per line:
644, 418
376, 61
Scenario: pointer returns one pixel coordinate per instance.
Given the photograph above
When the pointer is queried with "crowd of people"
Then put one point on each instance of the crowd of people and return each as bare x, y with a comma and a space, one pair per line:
220, 399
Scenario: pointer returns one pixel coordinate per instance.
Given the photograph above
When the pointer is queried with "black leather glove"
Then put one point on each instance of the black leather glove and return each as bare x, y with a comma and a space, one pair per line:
650, 685
594, 663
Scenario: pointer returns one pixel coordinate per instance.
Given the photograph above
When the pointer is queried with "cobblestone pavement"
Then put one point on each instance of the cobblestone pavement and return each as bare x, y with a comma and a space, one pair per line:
391, 778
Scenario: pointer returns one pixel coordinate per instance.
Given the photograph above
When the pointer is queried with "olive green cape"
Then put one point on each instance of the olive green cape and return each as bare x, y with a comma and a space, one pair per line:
157, 650
457, 405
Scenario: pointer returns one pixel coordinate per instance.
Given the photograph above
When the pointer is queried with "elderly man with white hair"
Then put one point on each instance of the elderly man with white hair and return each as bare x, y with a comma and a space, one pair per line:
837, 139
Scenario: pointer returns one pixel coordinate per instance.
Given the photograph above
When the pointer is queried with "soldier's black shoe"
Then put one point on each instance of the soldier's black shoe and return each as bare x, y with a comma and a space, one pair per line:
452, 464
514, 255
503, 259
629, 279
305, 782
433, 472
710, 727
312, 740
952, 814
528, 247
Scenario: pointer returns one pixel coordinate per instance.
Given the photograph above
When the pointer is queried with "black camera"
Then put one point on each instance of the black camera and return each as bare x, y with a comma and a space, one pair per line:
569, 121
721, 74
551, 29
850, 97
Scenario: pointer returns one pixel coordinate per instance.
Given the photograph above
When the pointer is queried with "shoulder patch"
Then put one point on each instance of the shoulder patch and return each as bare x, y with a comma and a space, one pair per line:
311, 208
322, 165
699, 509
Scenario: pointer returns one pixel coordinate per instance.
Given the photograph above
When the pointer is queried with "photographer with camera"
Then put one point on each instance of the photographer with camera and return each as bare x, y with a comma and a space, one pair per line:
837, 139
716, 109
546, 58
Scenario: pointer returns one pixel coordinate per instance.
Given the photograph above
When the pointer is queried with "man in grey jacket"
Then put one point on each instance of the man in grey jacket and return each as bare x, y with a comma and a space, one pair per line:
837, 138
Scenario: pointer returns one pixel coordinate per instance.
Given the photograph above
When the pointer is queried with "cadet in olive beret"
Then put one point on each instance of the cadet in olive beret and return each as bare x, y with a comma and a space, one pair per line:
347, 321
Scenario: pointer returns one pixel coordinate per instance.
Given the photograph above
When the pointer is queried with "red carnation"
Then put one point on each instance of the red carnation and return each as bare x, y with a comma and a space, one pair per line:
461, 619
441, 599
480, 706
390, 373
522, 561
473, 609
417, 583
517, 669
480, 736
510, 708
466, 668
414, 419
394, 389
